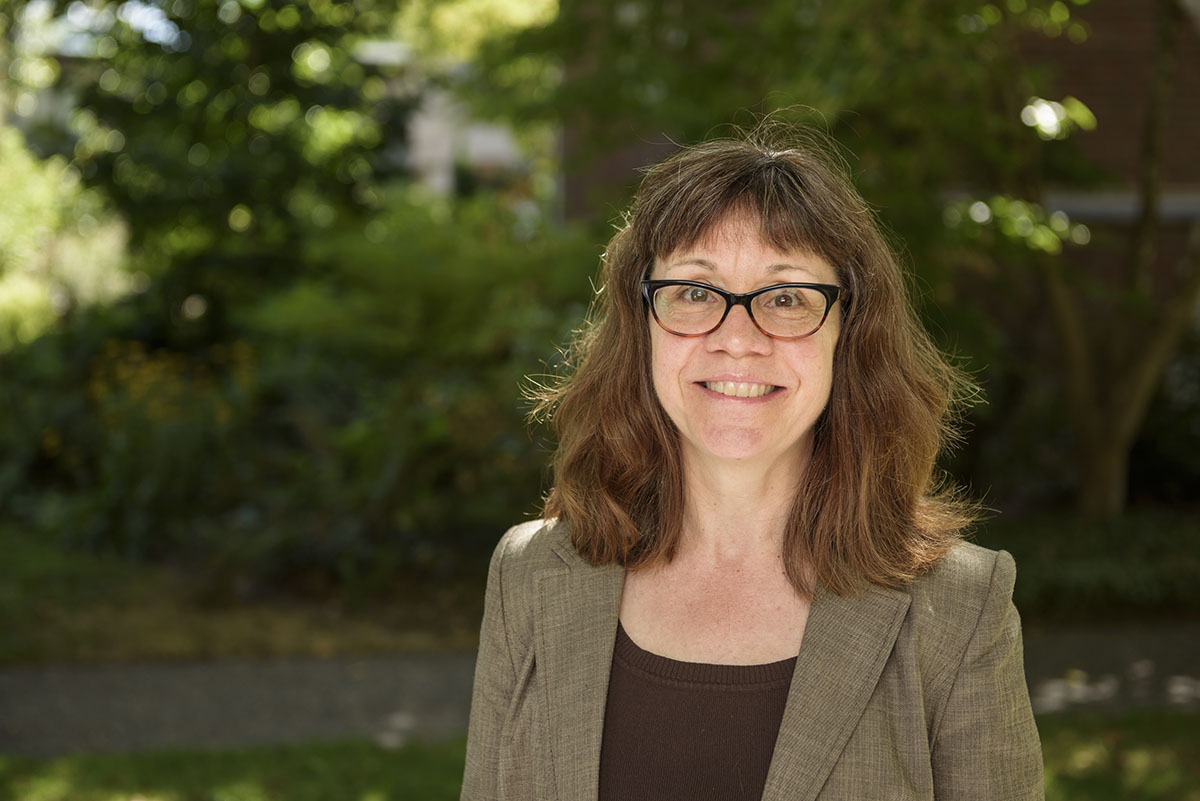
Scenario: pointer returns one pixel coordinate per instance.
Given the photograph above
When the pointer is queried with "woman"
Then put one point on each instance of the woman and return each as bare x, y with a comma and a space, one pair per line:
747, 584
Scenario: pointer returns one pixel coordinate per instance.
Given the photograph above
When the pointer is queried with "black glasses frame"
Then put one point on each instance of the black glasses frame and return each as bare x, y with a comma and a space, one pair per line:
831, 292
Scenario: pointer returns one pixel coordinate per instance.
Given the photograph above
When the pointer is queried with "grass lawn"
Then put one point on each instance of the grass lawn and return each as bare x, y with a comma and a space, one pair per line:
322, 772
1145, 756
1137, 757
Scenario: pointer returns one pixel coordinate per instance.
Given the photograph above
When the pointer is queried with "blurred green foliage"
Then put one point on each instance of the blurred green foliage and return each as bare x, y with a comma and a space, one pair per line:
222, 132
311, 380
1143, 565
60, 247
956, 134
368, 422
928, 98
68, 606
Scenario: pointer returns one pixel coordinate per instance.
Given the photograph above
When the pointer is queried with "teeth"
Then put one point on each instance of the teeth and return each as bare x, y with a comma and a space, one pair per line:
739, 389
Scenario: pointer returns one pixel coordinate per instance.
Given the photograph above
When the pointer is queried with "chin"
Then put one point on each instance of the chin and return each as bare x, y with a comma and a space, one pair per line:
747, 446
732, 450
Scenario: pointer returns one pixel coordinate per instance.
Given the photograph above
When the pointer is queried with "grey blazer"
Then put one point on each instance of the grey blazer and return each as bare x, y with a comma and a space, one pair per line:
916, 693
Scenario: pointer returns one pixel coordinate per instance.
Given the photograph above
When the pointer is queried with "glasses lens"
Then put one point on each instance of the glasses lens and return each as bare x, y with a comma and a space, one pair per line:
688, 309
790, 311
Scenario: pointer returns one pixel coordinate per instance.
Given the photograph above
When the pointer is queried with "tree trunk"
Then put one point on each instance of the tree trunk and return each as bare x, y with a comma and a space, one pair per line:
1103, 475
1109, 384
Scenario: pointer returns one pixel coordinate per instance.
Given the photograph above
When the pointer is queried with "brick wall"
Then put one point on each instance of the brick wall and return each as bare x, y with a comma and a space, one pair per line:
1110, 72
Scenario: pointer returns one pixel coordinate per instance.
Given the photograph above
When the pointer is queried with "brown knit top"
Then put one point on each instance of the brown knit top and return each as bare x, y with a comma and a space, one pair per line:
689, 731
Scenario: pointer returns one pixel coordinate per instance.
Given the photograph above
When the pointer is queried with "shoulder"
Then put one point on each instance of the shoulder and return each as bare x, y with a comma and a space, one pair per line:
965, 577
966, 597
531, 546
965, 637
525, 551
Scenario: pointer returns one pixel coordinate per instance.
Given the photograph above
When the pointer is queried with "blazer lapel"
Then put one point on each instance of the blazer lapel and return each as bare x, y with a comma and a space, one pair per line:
846, 643
575, 634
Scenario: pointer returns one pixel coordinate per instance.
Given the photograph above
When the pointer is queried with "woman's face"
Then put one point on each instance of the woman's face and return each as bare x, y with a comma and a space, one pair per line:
737, 395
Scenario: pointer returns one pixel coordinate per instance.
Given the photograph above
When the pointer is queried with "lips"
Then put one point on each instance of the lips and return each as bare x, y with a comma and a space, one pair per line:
739, 389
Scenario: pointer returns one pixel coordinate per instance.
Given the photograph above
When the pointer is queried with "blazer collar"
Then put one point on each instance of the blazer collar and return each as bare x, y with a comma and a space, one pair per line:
847, 641
575, 634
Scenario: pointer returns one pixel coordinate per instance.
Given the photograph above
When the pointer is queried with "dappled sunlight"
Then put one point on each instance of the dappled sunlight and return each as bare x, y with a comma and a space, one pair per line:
1114, 667
239, 790
374, 795
1054, 120
397, 730
1148, 756
450, 31
319, 772
1053, 695
1046, 116
1016, 220
1183, 690
60, 249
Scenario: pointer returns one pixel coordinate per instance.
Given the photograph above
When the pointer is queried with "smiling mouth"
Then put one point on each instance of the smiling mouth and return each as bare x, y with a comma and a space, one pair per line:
739, 389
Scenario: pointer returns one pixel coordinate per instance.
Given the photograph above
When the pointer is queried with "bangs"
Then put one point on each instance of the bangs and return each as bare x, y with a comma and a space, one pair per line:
681, 208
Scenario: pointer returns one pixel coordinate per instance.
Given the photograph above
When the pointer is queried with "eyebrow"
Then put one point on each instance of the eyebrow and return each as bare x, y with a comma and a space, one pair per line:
772, 269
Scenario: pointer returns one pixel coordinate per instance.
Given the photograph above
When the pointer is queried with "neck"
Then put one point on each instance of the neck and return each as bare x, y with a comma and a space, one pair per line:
738, 510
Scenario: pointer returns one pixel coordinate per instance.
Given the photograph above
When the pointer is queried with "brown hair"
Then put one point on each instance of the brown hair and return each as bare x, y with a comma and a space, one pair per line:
868, 507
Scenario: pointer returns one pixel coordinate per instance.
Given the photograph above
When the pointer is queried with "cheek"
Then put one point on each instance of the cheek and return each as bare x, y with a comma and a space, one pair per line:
658, 366
827, 366
815, 369
666, 359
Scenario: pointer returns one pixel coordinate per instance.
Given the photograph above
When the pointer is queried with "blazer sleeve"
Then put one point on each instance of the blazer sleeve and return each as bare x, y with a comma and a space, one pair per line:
986, 746
495, 675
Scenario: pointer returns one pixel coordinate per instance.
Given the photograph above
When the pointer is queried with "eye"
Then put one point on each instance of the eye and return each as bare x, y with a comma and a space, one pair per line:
695, 294
786, 299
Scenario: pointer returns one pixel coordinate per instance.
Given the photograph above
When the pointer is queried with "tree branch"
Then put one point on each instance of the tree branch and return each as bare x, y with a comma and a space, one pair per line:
1072, 330
1142, 374
1142, 249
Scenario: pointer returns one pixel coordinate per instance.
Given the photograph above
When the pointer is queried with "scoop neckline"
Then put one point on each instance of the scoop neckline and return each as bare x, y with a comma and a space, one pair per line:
638, 658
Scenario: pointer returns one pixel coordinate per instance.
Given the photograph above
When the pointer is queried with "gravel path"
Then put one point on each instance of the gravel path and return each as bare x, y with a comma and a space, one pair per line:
1114, 668
48, 711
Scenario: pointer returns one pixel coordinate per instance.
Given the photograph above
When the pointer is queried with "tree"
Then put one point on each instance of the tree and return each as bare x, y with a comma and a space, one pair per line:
1113, 370
944, 113
222, 131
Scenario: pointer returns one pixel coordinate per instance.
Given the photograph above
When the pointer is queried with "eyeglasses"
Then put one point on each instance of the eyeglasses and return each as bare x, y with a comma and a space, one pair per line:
782, 311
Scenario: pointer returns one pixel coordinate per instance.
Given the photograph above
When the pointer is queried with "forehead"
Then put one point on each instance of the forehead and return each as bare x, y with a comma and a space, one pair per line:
739, 229
737, 243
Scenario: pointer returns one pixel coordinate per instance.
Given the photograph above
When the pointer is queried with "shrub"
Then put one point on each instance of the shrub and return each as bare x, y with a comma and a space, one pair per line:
364, 423
1070, 568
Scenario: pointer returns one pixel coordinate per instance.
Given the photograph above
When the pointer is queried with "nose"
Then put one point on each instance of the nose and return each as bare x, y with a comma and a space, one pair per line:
738, 335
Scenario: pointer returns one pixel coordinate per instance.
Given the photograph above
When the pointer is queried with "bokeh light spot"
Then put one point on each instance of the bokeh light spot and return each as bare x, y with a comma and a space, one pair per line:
240, 218
198, 154
979, 212
194, 307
